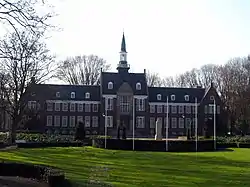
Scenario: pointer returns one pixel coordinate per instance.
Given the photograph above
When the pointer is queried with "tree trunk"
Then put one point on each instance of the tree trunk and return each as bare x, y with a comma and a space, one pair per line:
12, 131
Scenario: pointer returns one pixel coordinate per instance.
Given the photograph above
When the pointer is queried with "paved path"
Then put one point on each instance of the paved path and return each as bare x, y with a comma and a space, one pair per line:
20, 182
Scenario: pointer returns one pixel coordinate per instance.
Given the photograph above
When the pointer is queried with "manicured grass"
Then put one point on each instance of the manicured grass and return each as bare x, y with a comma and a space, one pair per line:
127, 168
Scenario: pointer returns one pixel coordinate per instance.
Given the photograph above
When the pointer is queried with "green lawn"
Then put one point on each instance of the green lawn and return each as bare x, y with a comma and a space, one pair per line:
127, 168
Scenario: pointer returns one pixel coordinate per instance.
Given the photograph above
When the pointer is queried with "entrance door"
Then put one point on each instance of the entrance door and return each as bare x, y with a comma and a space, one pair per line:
125, 121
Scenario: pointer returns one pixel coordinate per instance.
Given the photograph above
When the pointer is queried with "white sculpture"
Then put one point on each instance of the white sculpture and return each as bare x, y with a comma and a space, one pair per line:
158, 129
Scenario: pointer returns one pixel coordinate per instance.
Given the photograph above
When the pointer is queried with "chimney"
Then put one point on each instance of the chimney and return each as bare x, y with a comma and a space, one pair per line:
144, 71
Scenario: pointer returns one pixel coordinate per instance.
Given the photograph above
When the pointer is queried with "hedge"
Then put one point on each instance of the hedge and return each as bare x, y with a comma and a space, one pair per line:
53, 176
154, 145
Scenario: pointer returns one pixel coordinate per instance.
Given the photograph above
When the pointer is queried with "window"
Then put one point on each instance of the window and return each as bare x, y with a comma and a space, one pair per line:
72, 107
181, 109
160, 120
87, 95
172, 97
188, 109
211, 98
159, 108
140, 104
173, 109
65, 107
57, 121
73, 95
152, 122
110, 85
166, 108
158, 97
87, 107
152, 108
181, 123
124, 103
188, 122
218, 109
72, 121
95, 121
174, 123
57, 106
87, 121
109, 121
79, 107
140, 122
165, 122
64, 121
109, 103
32, 105
49, 120
49, 106
79, 120
205, 109
138, 86
57, 94
95, 107
211, 109
186, 97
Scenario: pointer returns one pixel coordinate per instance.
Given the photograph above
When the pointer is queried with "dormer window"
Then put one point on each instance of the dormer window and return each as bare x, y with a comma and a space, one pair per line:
87, 95
57, 94
158, 97
211, 98
110, 85
186, 97
138, 86
172, 97
73, 95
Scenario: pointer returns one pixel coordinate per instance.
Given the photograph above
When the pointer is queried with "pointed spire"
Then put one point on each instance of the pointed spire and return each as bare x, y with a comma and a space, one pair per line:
123, 46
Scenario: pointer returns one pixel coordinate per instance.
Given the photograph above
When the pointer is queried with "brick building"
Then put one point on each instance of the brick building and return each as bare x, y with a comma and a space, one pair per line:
59, 108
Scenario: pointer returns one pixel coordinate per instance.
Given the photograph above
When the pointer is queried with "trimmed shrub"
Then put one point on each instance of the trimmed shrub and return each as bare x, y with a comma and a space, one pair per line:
53, 176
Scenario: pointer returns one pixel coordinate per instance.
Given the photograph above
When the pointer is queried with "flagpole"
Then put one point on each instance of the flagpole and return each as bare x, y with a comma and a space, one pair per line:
133, 123
167, 127
214, 125
196, 125
106, 121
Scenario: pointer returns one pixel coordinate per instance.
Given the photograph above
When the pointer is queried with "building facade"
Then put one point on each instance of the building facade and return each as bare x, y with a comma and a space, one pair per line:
122, 98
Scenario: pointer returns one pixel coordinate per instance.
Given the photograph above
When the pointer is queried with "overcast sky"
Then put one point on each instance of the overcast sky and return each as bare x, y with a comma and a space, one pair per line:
164, 36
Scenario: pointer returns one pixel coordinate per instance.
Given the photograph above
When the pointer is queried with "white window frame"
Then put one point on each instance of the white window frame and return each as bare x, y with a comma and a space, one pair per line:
152, 122
87, 107
72, 95
172, 97
57, 121
124, 103
186, 97
80, 107
158, 97
95, 107
79, 119
65, 107
57, 106
95, 121
49, 121
110, 85
32, 105
49, 106
87, 95
87, 121
181, 123
140, 122
205, 109
152, 108
140, 104
188, 122
138, 86
109, 102
174, 123
58, 94
159, 109
64, 121
181, 109
173, 111
72, 121
218, 109
188, 109
72, 109
109, 121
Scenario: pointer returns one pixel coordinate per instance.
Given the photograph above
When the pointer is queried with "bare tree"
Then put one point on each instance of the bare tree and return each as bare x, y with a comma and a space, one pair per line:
82, 70
169, 82
153, 79
27, 61
22, 14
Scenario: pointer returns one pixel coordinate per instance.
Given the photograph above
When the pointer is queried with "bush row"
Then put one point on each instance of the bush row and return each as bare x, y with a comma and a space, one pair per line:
234, 139
149, 145
53, 176
51, 144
